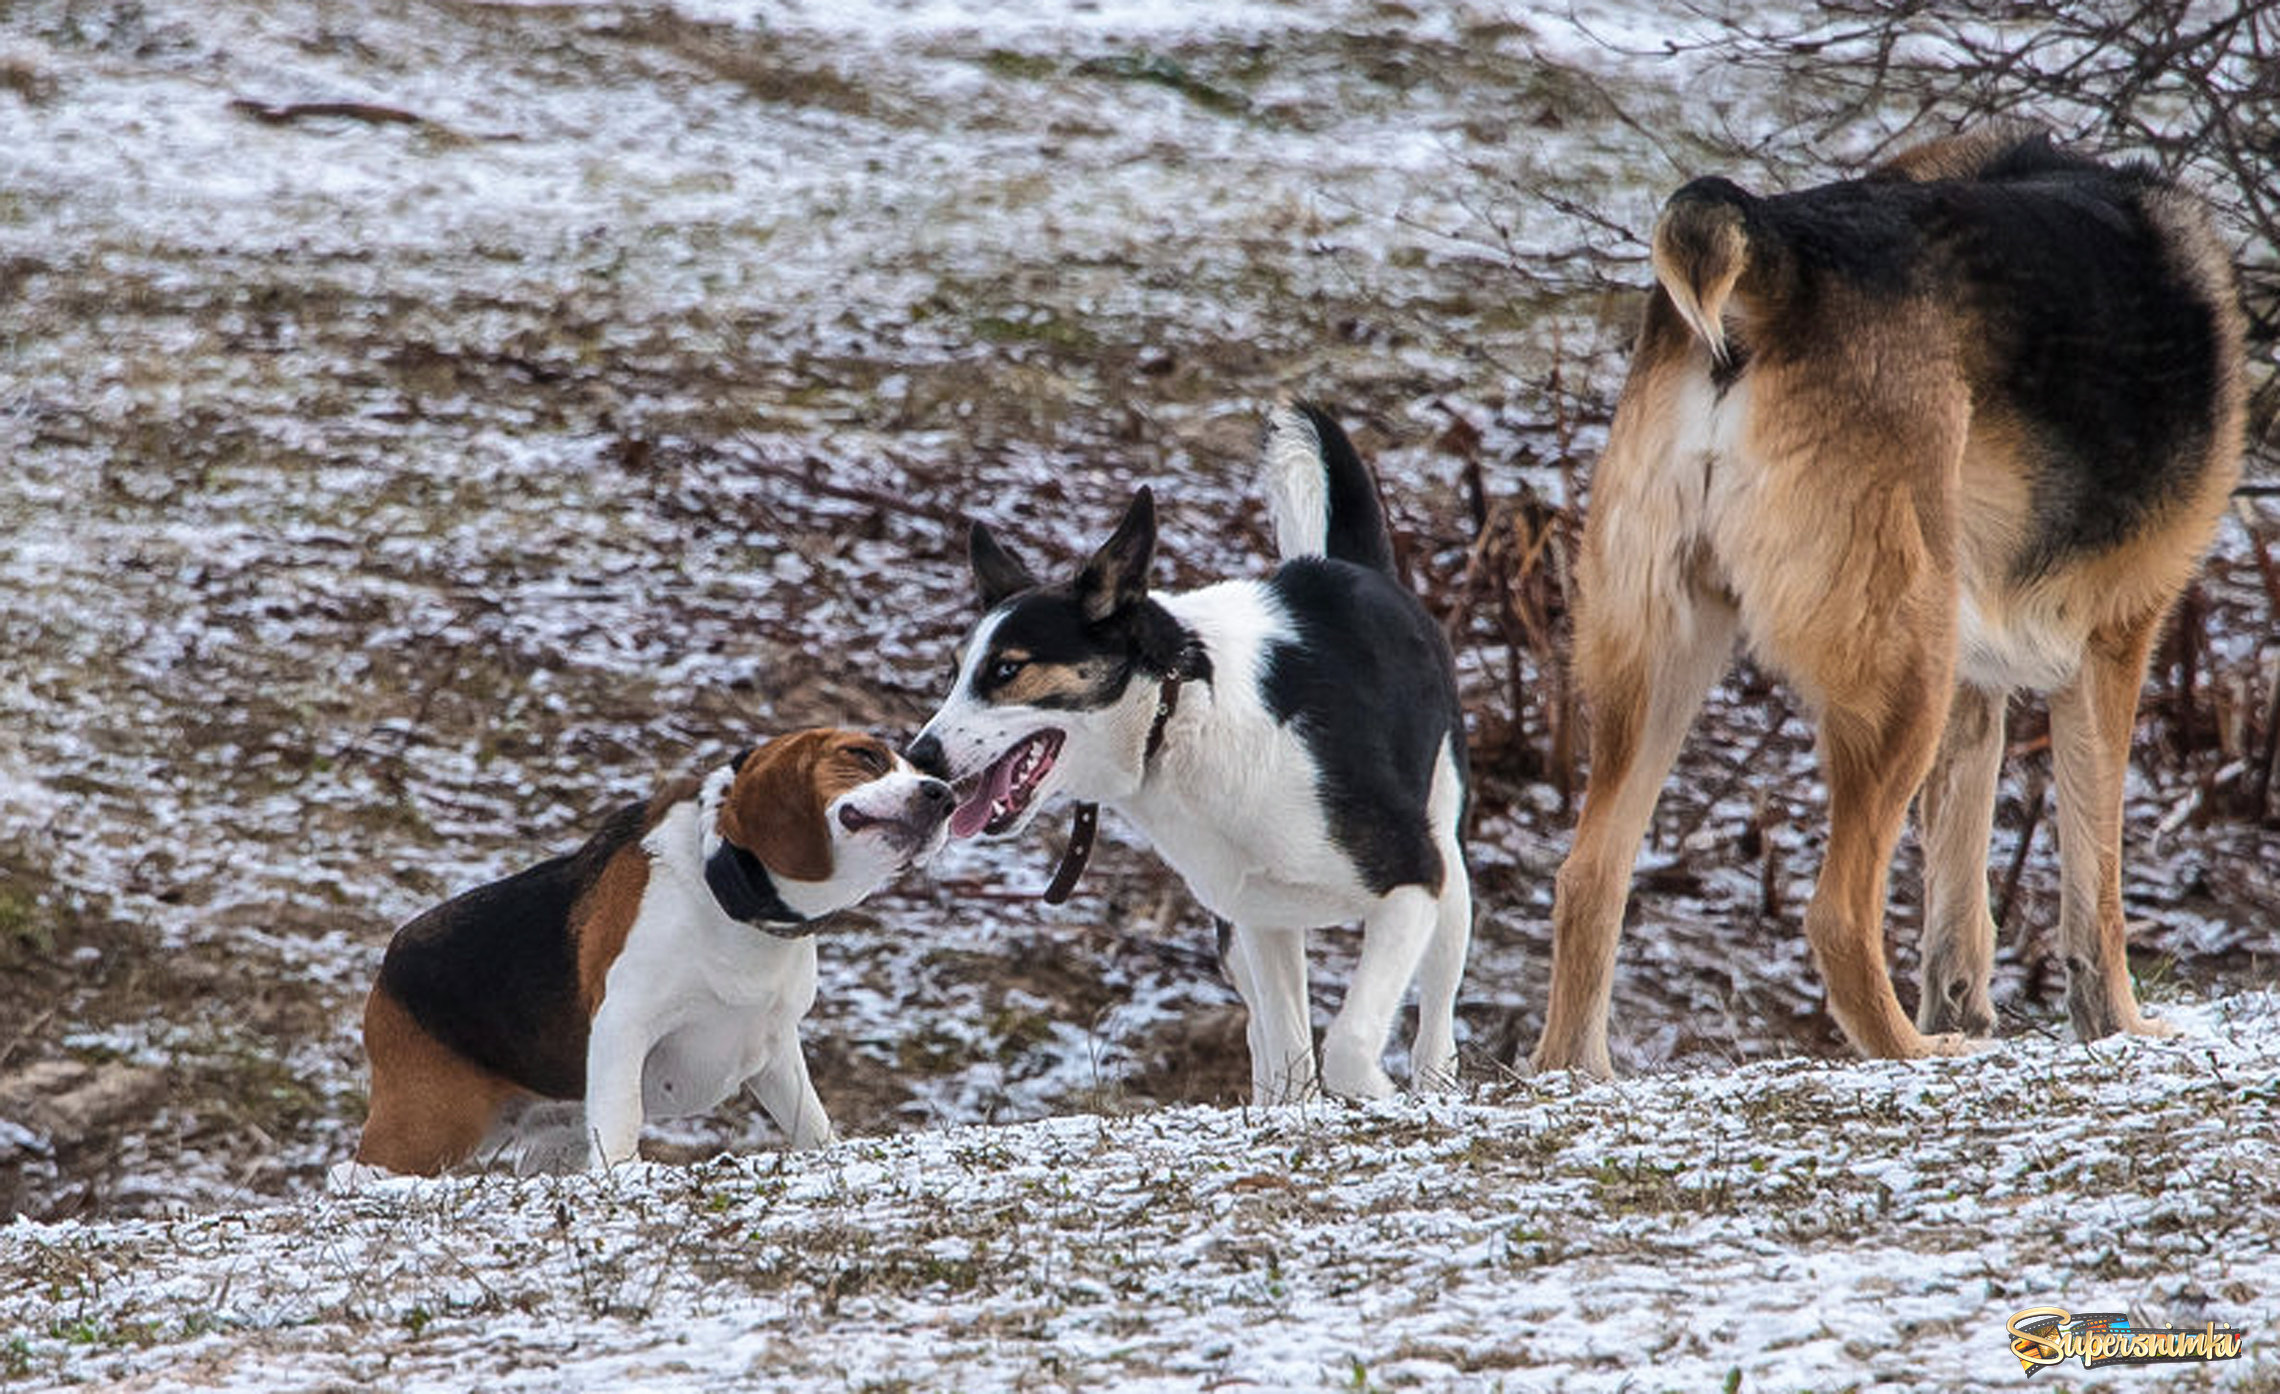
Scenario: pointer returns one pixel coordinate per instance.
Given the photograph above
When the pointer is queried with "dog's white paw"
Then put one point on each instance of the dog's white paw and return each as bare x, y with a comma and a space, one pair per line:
813, 1138
2153, 1028
1291, 1082
1351, 1073
1950, 1044
1433, 1065
1435, 1079
351, 1176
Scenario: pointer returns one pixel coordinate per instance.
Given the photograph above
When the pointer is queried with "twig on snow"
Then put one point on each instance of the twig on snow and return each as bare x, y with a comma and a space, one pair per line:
371, 113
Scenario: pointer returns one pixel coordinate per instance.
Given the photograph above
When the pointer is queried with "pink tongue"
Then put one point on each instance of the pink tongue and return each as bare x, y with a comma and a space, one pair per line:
997, 781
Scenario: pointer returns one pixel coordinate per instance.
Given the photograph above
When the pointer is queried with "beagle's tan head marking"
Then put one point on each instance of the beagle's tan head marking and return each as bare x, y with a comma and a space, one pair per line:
778, 806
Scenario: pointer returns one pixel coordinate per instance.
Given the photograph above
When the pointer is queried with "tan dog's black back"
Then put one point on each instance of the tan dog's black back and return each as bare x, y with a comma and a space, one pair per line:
1961, 427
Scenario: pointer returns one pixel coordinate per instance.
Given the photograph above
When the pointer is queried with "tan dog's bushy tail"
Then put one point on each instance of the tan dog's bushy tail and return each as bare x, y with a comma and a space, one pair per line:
1701, 246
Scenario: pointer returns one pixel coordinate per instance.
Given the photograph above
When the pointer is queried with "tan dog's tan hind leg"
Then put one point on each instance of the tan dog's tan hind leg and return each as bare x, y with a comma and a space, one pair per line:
1957, 812
2090, 725
1872, 764
1855, 604
1643, 686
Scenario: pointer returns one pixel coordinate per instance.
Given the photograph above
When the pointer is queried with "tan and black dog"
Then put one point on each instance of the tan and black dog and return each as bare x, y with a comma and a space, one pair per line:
651, 973
1921, 439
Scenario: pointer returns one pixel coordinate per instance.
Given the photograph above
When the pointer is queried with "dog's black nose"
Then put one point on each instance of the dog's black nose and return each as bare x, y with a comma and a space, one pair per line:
926, 754
936, 795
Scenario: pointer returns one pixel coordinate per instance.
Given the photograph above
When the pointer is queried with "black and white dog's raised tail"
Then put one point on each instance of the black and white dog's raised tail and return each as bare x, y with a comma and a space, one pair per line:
1292, 745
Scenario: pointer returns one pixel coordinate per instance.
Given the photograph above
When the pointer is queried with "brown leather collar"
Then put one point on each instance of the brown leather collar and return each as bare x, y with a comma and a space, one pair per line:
1075, 855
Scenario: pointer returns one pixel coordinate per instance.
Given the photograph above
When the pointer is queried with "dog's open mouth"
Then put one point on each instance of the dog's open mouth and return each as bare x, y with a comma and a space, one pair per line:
906, 834
1004, 790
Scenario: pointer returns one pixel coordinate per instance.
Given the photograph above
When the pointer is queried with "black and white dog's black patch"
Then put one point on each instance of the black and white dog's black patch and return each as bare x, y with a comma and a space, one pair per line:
1292, 745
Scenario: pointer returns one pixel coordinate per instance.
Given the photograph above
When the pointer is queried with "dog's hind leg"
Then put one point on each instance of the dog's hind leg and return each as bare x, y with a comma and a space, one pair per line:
1642, 684
1957, 811
1874, 755
1269, 969
2090, 725
431, 1107
1433, 1056
1394, 938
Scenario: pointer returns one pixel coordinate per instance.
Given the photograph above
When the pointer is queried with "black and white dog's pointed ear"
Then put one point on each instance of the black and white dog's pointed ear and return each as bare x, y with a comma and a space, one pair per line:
1117, 575
995, 571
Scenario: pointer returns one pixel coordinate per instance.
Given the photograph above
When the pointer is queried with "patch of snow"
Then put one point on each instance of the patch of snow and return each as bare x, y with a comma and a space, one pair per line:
1796, 1222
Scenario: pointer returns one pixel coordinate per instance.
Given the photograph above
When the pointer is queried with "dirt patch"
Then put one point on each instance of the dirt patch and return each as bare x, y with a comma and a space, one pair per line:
1203, 1059
72, 1100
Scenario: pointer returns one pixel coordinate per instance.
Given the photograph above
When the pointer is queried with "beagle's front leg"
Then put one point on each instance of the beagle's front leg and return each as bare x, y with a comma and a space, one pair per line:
783, 1088
614, 1057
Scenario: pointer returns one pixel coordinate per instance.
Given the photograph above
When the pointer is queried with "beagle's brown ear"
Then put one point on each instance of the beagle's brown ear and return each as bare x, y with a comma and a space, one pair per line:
776, 808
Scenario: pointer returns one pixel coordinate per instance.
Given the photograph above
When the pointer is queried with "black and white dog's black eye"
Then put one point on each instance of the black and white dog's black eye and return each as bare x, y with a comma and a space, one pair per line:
1004, 669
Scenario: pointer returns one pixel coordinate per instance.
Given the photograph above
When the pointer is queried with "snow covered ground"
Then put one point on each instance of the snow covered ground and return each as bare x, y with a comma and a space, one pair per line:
1785, 1225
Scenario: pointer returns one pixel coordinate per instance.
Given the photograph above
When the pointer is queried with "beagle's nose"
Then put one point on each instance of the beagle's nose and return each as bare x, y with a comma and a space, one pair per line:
926, 754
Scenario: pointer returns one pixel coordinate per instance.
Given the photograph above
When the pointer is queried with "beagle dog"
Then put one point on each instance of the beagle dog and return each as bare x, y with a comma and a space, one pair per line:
649, 974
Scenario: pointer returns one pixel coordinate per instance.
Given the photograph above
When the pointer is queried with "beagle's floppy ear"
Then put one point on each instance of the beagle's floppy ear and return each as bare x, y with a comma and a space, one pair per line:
995, 570
1117, 575
775, 808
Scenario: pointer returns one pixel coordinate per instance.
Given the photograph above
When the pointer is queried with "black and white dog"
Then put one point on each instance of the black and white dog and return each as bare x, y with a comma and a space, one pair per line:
1293, 746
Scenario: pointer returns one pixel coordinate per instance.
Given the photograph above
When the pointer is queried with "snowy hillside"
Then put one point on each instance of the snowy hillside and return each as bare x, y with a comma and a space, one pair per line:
1779, 1226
